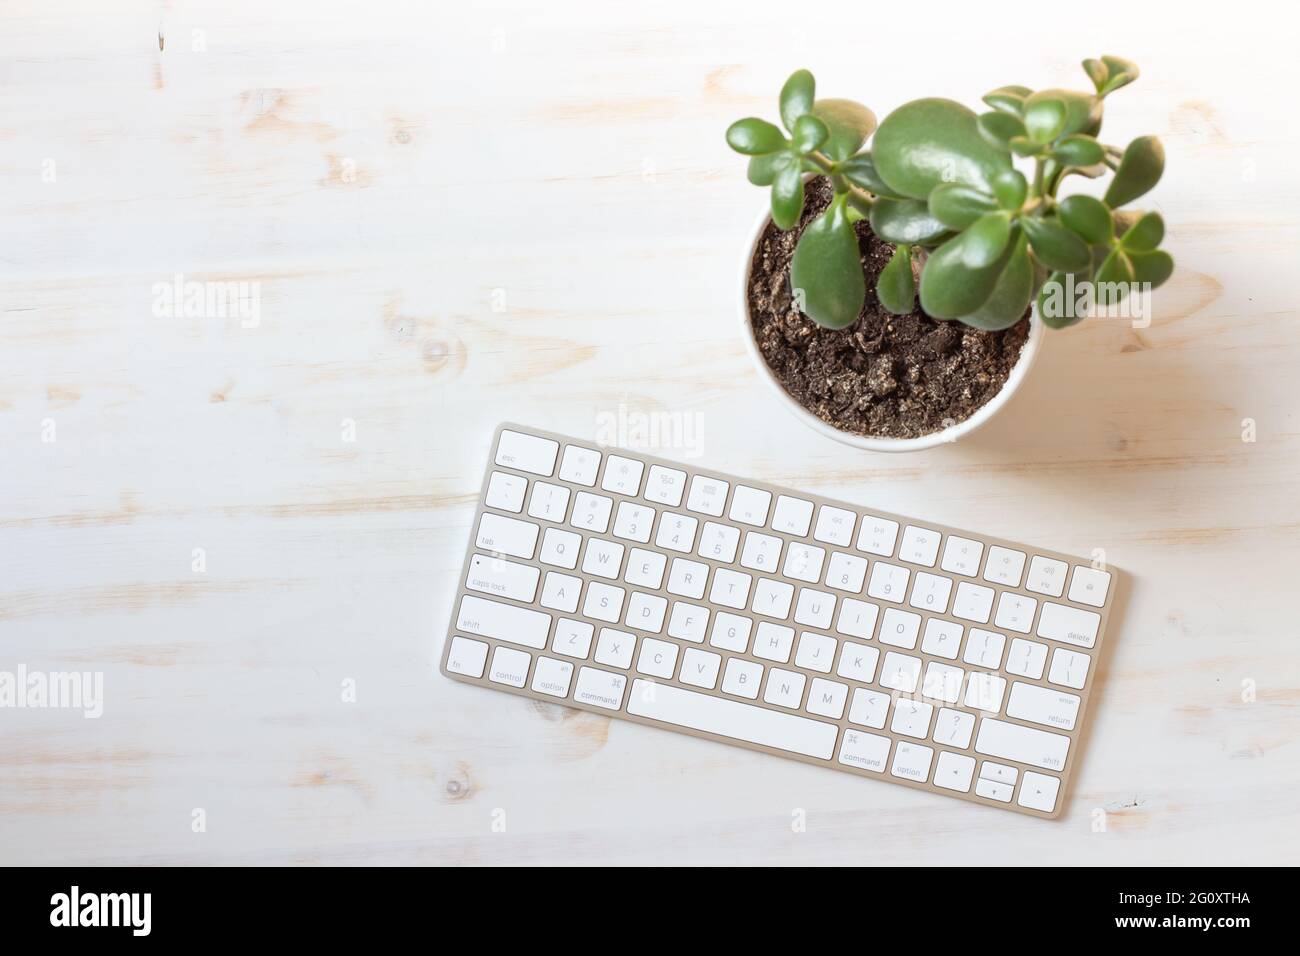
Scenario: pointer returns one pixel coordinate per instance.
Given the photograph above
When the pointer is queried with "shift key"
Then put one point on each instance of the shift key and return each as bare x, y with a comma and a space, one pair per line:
505, 622
1038, 748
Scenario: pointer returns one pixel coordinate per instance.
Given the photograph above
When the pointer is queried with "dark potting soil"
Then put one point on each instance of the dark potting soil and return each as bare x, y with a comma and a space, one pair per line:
893, 376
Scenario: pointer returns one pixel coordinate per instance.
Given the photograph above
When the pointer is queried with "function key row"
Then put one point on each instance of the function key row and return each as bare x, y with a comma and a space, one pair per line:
789, 515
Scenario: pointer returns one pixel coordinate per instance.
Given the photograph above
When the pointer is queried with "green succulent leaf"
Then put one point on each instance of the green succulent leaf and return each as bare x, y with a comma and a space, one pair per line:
1082, 110
952, 285
1078, 150
860, 170
931, 141
828, 268
997, 128
988, 238
1011, 295
1057, 308
1145, 234
1044, 119
1115, 278
1089, 218
848, 123
1139, 170
1024, 146
809, 133
1008, 99
905, 221
1055, 246
754, 137
762, 170
787, 196
1097, 72
797, 97
1010, 187
1119, 72
896, 287
958, 206
1155, 266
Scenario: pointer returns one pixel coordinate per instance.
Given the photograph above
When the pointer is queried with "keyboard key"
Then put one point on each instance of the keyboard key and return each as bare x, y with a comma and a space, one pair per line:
600, 688
552, 677
504, 622
954, 771
792, 516
858, 662
877, 536
657, 658
622, 475
900, 672
591, 512
677, 533
560, 592
866, 751
930, 592
1068, 624
749, 506
645, 568
527, 453
1069, 668
784, 688
857, 618
718, 542
826, 698
633, 521
985, 691
730, 632
506, 492
834, 526
1046, 576
707, 495
1038, 792
1038, 748
730, 588
603, 558
742, 678
572, 638
506, 535
1042, 705
942, 682
604, 602
773, 642
999, 773
467, 657
993, 790
687, 578
954, 727
869, 708
846, 572
772, 598
560, 548
762, 552
974, 602
700, 668
942, 638
984, 648
888, 582
665, 485
1015, 612
1004, 566
912, 762
962, 556
688, 622
911, 718
645, 612
614, 648
814, 608
816, 652
900, 628
548, 502
502, 578
920, 546
1089, 586
580, 465
1026, 658
730, 718
803, 562
509, 666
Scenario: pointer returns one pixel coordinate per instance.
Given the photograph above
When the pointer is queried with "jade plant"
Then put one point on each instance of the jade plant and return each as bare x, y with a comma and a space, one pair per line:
940, 182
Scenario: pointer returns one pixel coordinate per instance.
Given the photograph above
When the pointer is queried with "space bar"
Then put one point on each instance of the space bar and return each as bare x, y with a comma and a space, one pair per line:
729, 718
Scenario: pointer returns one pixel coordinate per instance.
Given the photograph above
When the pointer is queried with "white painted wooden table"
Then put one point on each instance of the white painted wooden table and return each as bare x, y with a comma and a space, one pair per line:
457, 216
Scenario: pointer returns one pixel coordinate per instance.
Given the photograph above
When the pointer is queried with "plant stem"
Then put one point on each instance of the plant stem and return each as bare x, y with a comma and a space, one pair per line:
859, 199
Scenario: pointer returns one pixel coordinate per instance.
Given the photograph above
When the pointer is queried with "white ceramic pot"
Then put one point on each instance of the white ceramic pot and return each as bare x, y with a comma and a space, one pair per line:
945, 436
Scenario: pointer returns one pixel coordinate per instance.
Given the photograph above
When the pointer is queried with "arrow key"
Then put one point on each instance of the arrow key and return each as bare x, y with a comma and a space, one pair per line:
953, 771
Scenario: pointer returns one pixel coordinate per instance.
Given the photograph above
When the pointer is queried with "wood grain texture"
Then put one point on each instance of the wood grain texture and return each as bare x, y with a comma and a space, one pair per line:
503, 211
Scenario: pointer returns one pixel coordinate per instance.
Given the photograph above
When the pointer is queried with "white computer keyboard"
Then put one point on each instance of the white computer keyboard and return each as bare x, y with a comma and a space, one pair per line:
827, 632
